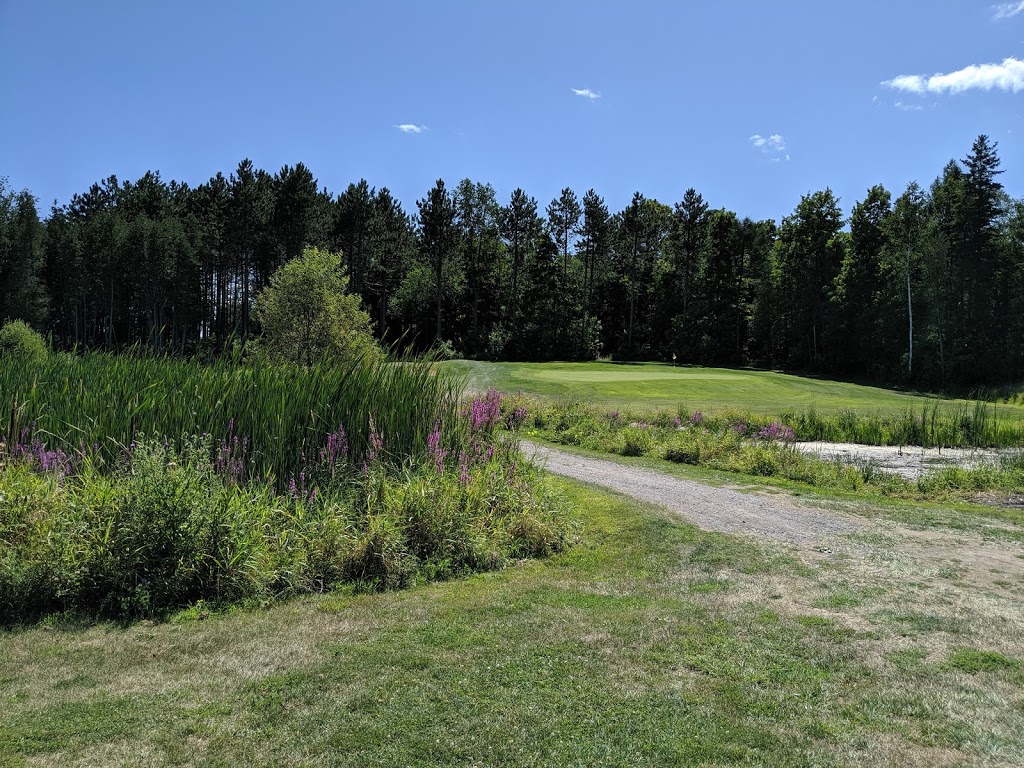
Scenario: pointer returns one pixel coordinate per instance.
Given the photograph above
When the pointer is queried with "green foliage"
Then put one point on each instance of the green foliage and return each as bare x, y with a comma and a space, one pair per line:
754, 445
636, 441
925, 288
20, 343
307, 315
166, 530
284, 411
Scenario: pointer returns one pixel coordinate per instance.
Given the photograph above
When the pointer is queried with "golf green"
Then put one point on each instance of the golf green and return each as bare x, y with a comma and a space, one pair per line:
667, 387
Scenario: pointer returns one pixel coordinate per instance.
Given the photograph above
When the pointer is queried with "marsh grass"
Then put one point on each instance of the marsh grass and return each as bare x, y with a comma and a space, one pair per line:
98, 403
962, 424
134, 486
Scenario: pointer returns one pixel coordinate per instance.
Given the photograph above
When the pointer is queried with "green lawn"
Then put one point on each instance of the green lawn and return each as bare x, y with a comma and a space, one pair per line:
647, 386
648, 643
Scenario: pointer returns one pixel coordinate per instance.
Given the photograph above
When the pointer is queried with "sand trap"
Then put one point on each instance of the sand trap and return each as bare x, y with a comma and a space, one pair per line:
909, 461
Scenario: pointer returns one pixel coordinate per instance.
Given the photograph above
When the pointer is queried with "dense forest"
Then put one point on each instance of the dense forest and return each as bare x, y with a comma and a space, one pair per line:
926, 287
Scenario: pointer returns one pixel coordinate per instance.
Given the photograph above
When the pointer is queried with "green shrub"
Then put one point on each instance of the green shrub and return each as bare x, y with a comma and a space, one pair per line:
682, 454
731, 442
636, 441
19, 342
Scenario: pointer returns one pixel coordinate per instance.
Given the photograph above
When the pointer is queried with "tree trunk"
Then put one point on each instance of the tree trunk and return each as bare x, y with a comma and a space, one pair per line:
438, 265
910, 317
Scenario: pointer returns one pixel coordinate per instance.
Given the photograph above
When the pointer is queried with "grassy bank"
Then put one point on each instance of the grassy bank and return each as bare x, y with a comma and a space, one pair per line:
746, 445
825, 406
649, 643
246, 483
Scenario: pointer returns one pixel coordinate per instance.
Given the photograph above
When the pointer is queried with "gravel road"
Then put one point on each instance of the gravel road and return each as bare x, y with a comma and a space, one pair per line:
711, 508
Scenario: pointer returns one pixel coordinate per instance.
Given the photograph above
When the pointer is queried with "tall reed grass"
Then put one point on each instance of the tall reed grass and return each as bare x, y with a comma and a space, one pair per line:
966, 424
133, 486
98, 404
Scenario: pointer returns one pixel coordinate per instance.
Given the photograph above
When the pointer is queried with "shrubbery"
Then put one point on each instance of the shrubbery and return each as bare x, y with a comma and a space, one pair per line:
408, 485
18, 341
752, 445
166, 529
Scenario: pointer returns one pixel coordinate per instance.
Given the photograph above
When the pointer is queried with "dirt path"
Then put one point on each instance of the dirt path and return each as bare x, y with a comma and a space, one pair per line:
875, 544
710, 507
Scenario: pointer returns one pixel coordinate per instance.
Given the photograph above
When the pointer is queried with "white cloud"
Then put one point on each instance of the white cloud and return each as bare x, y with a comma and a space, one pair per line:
586, 93
773, 146
1008, 76
773, 143
411, 128
1008, 10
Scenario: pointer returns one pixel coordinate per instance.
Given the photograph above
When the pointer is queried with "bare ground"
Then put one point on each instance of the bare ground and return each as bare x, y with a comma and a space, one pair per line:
909, 461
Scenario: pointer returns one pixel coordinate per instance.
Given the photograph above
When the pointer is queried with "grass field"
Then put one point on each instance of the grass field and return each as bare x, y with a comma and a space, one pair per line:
648, 386
650, 643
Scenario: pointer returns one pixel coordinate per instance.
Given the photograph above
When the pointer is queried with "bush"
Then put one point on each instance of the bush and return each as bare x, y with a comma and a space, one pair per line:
308, 316
169, 527
636, 441
20, 342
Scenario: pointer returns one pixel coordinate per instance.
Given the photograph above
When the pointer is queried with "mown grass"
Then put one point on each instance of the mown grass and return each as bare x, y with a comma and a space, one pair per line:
616, 652
817, 409
651, 386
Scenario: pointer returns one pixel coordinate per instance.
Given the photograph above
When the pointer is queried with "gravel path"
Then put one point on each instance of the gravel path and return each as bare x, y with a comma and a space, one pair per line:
714, 509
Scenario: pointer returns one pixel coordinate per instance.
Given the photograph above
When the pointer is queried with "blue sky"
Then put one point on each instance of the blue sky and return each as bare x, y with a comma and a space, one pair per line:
753, 104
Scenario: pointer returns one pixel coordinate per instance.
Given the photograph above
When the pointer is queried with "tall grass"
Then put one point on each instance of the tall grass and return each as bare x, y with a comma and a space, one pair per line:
132, 486
99, 404
967, 424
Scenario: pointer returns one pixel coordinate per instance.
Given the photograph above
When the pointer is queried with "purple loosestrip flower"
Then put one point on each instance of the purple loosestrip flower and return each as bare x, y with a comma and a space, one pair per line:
434, 449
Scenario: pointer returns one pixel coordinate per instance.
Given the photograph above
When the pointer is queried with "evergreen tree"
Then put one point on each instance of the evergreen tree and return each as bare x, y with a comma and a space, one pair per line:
808, 255
437, 241
22, 293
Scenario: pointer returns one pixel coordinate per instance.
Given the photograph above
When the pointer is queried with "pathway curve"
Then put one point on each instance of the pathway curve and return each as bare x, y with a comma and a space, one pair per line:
710, 507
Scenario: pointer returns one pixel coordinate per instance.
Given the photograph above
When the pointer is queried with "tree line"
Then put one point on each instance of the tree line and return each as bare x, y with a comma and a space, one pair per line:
924, 288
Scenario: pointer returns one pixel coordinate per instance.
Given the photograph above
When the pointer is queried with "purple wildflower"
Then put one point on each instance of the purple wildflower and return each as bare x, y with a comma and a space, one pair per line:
434, 449
36, 452
776, 431
517, 418
484, 412
336, 449
231, 456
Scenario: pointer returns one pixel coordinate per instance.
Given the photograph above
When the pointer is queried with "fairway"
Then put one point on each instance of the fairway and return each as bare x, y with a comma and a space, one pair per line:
647, 386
